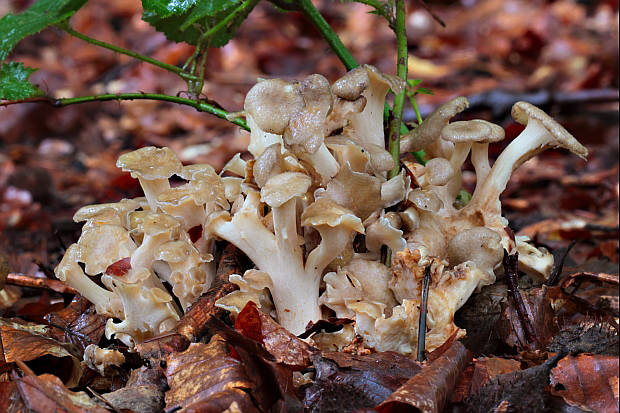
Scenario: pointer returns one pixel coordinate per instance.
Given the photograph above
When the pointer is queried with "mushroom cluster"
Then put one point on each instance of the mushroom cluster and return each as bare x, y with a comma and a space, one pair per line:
314, 210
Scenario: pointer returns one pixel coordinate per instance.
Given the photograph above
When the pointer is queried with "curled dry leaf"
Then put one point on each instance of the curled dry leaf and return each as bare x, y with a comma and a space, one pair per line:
205, 377
46, 393
345, 382
429, 390
285, 347
587, 381
28, 342
78, 323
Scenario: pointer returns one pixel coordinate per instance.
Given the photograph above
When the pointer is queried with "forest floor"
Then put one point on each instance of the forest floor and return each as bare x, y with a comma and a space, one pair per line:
561, 56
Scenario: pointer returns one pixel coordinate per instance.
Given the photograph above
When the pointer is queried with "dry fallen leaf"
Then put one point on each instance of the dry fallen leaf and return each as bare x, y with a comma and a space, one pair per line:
587, 381
28, 342
429, 390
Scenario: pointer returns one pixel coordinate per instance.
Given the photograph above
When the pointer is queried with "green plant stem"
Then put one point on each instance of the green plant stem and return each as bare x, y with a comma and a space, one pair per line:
199, 106
135, 55
249, 4
328, 34
414, 104
399, 99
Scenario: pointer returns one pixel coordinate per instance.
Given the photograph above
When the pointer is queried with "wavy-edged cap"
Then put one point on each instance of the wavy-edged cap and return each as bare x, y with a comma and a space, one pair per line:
284, 187
324, 211
272, 103
522, 112
150, 163
470, 131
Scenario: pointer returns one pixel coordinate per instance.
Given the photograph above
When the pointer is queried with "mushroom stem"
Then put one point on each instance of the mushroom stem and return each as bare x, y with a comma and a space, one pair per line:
323, 162
480, 160
531, 141
152, 188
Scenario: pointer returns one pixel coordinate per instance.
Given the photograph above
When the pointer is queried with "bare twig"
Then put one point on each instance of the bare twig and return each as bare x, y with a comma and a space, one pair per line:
432, 13
423, 312
511, 269
24, 280
559, 264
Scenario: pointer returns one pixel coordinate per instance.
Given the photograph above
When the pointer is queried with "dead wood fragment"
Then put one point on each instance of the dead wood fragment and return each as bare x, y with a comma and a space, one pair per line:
345, 382
284, 346
331, 325
430, 389
587, 381
487, 368
589, 336
423, 312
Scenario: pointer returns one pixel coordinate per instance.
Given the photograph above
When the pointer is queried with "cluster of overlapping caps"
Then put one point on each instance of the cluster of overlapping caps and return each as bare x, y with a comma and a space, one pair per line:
317, 180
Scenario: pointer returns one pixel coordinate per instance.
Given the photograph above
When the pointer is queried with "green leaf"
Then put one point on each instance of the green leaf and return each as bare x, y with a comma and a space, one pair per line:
44, 13
424, 91
195, 21
166, 8
413, 82
206, 8
14, 84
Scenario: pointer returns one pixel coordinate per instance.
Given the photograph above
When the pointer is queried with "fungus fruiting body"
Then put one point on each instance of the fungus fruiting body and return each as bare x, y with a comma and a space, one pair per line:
314, 211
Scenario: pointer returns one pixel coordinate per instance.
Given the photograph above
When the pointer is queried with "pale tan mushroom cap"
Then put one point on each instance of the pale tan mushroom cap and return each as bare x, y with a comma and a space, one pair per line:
430, 129
284, 187
522, 112
476, 130
324, 211
121, 208
272, 102
150, 163
481, 245
439, 171
351, 85
197, 171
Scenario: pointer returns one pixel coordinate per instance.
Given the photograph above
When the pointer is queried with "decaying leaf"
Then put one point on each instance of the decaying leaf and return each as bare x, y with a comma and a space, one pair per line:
344, 382
205, 377
486, 369
78, 323
587, 381
539, 311
46, 393
28, 342
429, 390
283, 345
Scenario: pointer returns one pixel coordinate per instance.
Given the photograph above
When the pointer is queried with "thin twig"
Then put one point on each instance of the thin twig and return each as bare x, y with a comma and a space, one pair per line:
24, 280
171, 68
511, 269
559, 264
198, 105
432, 13
423, 312
102, 400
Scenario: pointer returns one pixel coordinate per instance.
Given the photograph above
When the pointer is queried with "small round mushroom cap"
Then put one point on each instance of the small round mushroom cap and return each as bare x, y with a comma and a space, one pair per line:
272, 103
150, 163
479, 244
324, 211
425, 200
522, 112
284, 187
196, 171
121, 208
430, 129
438, 171
470, 131
351, 85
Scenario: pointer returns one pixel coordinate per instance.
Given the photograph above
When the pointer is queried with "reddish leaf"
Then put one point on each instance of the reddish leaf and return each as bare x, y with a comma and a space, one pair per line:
587, 381
195, 233
10, 399
428, 391
283, 345
120, 267
486, 369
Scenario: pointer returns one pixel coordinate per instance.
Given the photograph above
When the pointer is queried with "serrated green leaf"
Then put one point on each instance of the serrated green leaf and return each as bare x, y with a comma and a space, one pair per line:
189, 26
167, 8
14, 83
44, 13
206, 8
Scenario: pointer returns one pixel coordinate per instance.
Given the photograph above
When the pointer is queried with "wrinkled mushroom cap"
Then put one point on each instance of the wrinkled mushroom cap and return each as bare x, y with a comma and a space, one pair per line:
438, 171
284, 187
351, 85
270, 162
430, 129
479, 244
522, 112
324, 211
471, 131
150, 163
121, 208
272, 102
